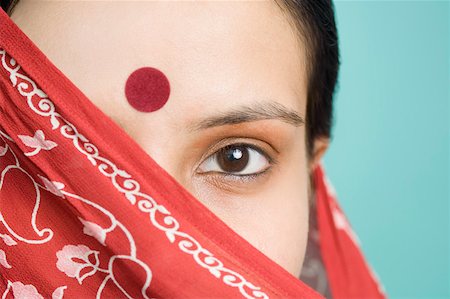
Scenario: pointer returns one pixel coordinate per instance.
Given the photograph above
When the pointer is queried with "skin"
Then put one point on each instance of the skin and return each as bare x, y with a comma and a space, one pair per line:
217, 56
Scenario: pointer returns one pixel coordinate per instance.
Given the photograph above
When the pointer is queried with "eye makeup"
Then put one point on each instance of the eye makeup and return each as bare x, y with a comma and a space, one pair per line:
252, 173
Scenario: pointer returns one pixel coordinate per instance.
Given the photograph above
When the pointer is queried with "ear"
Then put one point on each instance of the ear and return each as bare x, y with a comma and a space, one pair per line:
320, 147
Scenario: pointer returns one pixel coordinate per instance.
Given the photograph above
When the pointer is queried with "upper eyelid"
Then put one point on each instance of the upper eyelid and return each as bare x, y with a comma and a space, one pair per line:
252, 146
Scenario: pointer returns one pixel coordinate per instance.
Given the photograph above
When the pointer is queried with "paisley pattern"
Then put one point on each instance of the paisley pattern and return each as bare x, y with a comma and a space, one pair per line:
78, 261
75, 223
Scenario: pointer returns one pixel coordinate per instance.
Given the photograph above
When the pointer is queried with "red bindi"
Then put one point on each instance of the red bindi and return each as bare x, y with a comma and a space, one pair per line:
147, 89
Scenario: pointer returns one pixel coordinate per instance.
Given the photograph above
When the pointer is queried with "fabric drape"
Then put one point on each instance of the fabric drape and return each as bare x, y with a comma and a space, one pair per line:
85, 212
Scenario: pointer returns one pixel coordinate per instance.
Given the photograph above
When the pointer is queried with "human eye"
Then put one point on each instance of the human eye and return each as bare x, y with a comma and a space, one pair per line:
239, 161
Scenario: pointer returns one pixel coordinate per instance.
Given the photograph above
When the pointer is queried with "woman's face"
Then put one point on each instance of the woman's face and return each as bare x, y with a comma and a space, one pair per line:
237, 75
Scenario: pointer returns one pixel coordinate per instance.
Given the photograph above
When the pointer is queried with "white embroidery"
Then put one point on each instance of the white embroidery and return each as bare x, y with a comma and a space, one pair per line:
3, 260
53, 187
159, 216
94, 230
59, 292
8, 240
69, 256
139, 263
342, 223
3, 151
66, 262
37, 142
46, 233
21, 290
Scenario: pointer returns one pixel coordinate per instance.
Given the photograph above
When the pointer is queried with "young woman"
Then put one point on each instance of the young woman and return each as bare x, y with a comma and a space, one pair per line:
233, 103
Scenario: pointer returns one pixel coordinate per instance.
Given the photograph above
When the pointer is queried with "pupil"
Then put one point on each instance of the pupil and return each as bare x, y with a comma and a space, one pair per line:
233, 158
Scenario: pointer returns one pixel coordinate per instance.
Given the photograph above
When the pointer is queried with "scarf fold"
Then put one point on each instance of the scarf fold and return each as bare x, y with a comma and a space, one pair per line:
86, 212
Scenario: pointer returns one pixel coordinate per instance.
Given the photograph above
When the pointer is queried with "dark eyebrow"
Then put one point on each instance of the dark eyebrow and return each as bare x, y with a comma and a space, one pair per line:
258, 111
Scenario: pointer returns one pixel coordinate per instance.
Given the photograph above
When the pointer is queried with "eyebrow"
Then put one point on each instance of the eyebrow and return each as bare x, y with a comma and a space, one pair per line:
255, 112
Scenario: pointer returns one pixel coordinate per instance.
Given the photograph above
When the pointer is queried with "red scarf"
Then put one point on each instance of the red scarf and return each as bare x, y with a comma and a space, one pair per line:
85, 212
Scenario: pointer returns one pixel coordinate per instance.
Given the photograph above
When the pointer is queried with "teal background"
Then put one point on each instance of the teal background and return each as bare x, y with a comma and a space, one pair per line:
389, 157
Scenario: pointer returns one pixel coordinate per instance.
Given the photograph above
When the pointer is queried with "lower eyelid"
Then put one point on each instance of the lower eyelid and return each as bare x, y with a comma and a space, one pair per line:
237, 179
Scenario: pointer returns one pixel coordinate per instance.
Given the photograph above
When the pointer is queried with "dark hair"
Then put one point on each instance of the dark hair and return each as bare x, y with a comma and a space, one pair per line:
8, 5
315, 23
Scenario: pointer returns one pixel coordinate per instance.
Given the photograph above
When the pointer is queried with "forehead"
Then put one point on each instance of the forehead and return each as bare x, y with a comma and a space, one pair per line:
241, 49
211, 51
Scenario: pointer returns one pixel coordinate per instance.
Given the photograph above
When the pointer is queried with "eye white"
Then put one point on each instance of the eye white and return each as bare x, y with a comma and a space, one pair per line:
257, 162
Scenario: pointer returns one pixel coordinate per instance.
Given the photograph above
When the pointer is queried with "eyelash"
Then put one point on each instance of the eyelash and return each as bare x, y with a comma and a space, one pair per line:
244, 178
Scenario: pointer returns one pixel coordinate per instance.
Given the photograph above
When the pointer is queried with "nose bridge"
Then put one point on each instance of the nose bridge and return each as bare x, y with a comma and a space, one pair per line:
162, 147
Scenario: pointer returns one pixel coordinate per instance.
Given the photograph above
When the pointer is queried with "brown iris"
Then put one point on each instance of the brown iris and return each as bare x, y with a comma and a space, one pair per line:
233, 158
